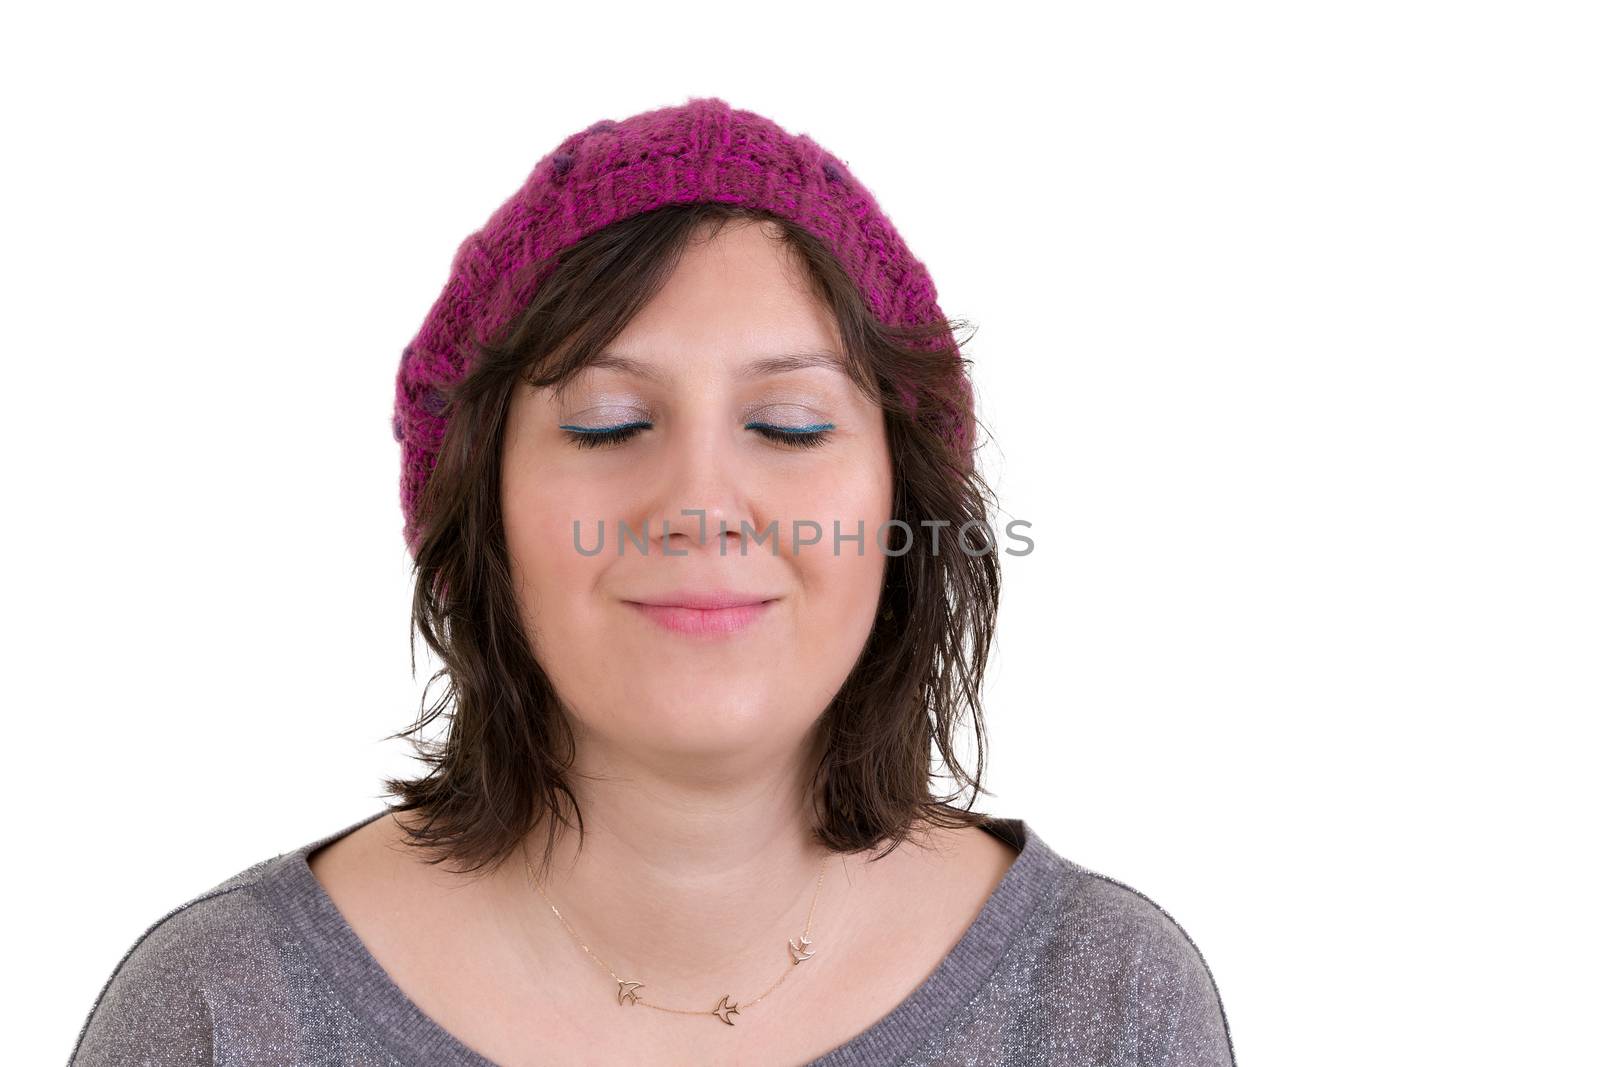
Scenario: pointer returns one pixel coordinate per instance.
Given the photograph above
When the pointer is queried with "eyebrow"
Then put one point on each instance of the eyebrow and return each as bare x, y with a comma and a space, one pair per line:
788, 361
757, 368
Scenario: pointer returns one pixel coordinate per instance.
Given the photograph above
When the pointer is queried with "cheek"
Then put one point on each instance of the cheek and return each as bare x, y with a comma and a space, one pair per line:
842, 583
842, 591
554, 581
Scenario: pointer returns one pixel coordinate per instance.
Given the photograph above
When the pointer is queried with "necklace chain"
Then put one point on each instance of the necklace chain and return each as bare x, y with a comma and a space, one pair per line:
627, 991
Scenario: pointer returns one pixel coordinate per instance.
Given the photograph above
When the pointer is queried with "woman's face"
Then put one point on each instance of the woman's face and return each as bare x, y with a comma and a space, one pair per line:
698, 373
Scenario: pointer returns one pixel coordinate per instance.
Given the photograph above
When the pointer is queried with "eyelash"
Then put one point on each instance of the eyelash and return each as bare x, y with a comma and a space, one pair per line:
590, 438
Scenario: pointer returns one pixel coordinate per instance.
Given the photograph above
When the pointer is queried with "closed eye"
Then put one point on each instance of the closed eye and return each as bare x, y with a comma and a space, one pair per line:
799, 436
809, 436
600, 436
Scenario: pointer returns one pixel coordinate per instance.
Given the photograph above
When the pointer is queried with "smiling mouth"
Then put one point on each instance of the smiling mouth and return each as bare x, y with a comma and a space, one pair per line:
704, 622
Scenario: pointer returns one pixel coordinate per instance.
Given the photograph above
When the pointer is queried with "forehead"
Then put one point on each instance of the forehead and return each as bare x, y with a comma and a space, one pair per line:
744, 288
740, 303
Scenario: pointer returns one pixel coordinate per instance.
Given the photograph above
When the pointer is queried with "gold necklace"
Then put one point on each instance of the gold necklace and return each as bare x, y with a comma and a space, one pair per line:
628, 991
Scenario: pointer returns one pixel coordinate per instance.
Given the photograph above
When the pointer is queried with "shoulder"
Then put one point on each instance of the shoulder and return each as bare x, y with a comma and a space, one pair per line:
1126, 958
1144, 934
157, 1004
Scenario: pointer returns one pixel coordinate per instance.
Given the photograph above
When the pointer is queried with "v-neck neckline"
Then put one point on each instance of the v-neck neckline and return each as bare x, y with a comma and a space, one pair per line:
415, 1039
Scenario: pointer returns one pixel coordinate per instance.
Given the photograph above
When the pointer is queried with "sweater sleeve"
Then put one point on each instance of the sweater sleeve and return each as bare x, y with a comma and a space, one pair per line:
1178, 992
152, 1010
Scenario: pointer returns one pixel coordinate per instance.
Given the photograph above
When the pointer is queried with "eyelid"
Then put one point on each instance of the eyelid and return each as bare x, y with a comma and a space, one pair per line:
601, 410
645, 424
780, 411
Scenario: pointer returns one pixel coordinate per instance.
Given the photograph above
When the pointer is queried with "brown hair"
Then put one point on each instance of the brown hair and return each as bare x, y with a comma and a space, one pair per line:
503, 764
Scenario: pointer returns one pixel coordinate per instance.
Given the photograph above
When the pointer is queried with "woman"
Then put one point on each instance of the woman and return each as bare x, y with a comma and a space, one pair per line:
679, 435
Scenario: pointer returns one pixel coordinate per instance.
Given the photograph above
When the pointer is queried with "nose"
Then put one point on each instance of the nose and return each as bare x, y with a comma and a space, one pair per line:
702, 505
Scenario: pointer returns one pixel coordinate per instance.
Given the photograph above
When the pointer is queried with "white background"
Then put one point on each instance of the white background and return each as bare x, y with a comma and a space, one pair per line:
1286, 338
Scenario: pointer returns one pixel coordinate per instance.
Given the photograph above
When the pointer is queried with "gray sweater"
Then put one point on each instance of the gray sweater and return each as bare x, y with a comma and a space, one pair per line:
1061, 966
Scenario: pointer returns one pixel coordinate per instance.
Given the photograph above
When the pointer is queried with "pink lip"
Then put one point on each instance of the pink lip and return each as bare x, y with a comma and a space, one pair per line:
705, 614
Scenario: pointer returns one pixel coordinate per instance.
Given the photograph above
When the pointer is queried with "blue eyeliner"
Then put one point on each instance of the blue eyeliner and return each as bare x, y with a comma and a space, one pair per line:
816, 427
604, 429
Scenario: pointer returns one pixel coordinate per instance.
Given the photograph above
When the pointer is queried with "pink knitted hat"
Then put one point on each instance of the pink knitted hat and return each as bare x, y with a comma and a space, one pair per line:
703, 150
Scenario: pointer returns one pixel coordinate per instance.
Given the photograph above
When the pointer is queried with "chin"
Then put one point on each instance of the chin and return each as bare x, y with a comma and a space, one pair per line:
721, 713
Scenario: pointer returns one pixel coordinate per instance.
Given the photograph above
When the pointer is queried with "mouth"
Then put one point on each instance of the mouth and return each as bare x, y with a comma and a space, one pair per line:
705, 616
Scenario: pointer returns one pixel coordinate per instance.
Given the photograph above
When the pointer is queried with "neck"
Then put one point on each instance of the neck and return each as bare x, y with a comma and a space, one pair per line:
688, 882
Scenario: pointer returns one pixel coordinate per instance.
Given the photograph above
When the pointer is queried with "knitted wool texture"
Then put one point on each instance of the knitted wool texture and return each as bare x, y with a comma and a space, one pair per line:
702, 150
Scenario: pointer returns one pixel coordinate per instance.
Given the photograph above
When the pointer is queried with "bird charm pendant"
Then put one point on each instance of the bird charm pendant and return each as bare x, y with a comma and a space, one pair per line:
724, 1009
628, 991
802, 951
